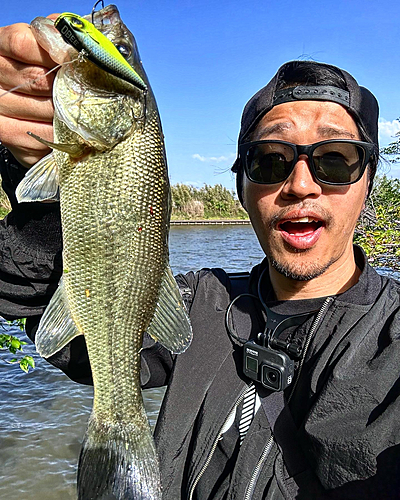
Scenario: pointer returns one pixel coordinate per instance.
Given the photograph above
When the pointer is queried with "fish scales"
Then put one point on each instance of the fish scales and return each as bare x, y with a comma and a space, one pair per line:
108, 167
120, 232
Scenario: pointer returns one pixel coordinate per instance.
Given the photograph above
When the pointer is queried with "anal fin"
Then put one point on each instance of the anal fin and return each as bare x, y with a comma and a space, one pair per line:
170, 324
56, 327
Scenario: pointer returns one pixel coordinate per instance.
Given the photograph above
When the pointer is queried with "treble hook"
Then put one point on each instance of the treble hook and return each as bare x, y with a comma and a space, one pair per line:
94, 8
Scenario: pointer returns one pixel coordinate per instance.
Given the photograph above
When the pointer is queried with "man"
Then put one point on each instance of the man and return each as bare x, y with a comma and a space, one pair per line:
307, 409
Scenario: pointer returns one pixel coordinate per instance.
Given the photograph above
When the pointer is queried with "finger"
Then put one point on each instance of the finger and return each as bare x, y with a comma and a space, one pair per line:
34, 79
17, 42
25, 148
22, 107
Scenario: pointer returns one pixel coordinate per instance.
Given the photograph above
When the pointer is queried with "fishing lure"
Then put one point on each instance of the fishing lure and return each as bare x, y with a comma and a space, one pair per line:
96, 47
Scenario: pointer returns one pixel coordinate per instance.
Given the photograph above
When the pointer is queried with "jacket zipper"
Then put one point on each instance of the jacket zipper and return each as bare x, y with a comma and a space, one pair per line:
214, 446
310, 335
256, 471
254, 477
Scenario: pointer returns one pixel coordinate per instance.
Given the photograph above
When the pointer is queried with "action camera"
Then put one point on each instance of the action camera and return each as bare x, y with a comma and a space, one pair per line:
274, 369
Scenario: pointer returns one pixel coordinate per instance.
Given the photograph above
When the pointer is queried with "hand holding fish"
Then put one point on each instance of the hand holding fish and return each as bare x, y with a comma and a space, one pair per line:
24, 62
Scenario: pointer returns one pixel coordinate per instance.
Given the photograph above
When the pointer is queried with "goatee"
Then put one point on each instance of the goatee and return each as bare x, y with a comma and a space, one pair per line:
295, 272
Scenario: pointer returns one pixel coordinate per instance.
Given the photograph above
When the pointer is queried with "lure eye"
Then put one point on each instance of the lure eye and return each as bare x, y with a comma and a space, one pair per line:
124, 50
77, 23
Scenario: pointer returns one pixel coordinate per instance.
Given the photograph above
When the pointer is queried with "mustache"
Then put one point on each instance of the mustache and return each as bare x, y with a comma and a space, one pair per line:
309, 206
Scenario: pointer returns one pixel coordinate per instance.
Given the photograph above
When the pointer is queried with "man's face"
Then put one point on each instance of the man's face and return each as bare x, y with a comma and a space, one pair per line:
305, 228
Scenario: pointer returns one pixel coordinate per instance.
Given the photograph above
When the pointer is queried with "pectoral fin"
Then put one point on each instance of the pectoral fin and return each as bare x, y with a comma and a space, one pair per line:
74, 150
56, 328
171, 325
40, 182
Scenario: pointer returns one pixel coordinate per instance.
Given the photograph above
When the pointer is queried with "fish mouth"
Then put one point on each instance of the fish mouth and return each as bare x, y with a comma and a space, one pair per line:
120, 57
106, 15
301, 230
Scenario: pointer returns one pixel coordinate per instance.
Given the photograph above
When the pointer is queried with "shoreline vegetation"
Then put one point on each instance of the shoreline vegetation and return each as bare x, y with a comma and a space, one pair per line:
205, 203
377, 231
378, 228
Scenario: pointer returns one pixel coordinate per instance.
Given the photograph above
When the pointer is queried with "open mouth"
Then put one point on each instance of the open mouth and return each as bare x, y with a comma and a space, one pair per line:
301, 227
301, 233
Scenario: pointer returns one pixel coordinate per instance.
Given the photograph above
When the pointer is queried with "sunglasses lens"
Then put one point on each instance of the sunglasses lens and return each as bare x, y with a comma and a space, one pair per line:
338, 162
269, 163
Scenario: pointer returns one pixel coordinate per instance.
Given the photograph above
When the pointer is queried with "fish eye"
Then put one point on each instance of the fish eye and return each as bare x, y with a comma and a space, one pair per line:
77, 23
124, 50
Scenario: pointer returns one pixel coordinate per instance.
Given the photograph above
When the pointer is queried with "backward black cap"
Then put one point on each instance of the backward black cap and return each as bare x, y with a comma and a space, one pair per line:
359, 101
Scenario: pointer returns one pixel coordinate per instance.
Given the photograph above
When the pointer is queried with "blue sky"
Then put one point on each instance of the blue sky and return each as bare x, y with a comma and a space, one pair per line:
205, 59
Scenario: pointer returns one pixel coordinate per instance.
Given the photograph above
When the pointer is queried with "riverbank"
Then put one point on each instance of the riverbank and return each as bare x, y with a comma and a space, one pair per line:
219, 222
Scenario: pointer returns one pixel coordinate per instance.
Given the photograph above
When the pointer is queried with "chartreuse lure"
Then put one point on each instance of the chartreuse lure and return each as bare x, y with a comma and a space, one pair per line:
83, 35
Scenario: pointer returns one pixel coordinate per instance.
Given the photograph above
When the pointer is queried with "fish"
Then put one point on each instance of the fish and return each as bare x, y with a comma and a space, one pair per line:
108, 169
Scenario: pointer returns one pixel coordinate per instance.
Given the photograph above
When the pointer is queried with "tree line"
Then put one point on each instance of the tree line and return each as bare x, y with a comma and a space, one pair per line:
207, 202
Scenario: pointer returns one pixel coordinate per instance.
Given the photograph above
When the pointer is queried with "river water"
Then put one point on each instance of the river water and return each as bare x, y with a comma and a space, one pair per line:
43, 414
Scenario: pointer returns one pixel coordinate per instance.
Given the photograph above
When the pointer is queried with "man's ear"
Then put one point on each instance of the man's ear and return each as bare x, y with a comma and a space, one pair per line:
366, 192
244, 203
240, 187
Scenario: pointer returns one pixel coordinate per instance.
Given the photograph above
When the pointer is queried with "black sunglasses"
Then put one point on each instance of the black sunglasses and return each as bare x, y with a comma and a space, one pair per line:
337, 162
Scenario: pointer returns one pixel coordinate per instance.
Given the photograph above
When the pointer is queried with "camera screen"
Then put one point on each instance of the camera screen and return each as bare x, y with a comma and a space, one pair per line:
251, 364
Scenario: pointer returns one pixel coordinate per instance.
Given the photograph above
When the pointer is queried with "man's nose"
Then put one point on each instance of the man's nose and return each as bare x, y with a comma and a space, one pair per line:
301, 183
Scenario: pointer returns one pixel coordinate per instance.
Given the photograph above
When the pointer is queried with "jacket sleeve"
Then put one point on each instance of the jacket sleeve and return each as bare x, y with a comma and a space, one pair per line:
30, 248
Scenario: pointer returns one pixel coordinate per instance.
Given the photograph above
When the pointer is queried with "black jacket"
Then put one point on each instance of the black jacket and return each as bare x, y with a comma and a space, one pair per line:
345, 407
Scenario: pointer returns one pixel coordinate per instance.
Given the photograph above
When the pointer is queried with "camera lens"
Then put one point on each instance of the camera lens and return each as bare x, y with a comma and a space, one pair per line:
271, 378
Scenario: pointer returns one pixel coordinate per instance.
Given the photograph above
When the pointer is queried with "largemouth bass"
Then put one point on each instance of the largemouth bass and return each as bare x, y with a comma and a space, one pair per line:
108, 167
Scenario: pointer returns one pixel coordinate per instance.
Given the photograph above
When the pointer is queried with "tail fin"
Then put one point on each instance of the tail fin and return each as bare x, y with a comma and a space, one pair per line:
118, 463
